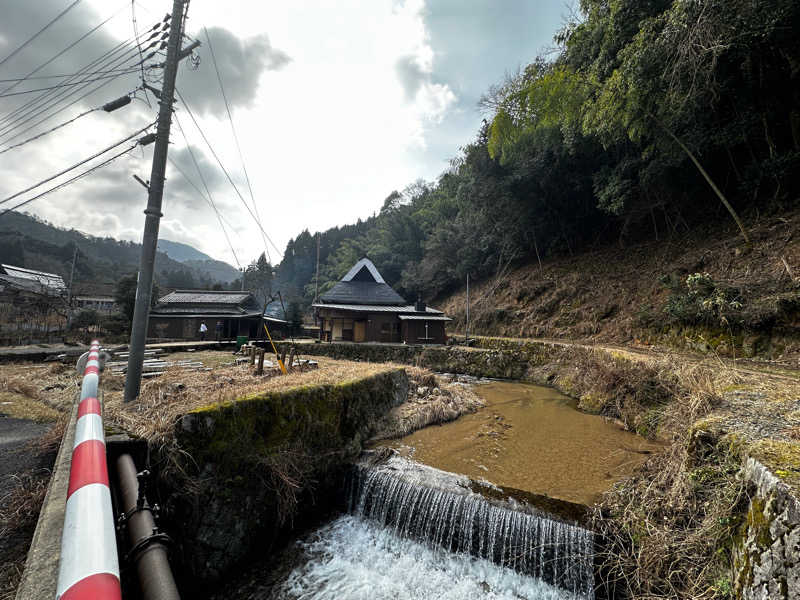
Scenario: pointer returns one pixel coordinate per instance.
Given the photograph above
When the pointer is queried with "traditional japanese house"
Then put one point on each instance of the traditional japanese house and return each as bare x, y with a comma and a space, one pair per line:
178, 316
362, 307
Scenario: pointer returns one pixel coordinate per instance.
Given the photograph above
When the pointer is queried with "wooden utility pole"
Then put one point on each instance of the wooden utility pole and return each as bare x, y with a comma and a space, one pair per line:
316, 277
144, 285
466, 333
69, 292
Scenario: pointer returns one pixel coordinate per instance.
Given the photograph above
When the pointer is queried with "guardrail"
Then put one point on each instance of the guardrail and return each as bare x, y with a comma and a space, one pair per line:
88, 567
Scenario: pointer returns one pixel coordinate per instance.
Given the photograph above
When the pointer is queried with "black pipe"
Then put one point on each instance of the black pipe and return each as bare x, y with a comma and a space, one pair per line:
148, 547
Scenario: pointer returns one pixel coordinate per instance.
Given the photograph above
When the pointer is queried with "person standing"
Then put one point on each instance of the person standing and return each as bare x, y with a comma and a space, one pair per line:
203, 330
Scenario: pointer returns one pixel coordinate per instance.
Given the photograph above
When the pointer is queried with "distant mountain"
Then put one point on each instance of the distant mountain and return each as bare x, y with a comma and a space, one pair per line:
30, 242
181, 252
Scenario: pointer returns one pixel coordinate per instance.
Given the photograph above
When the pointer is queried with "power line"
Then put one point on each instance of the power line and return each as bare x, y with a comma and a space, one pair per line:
70, 181
58, 110
236, 139
55, 76
67, 48
139, 46
38, 33
63, 85
205, 185
219, 162
46, 100
76, 165
51, 130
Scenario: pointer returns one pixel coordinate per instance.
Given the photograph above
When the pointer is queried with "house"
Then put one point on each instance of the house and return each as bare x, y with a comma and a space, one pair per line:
33, 304
362, 307
178, 315
102, 304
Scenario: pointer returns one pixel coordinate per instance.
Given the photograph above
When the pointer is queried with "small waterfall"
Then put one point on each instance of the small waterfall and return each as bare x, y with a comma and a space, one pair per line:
438, 508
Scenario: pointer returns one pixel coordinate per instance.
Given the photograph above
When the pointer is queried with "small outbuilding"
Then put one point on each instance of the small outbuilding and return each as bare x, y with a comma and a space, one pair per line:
362, 307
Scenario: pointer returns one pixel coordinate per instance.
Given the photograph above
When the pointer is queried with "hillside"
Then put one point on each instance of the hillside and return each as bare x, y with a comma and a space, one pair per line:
704, 291
35, 244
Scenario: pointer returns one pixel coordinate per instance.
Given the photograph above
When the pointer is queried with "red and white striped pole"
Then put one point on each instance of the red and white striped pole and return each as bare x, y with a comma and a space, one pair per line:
88, 568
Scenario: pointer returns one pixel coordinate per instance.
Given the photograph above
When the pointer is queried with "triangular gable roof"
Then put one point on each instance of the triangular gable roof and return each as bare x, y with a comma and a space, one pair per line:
366, 265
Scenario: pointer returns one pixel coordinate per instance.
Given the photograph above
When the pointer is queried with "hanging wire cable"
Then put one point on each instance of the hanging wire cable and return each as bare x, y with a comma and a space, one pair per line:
56, 111
71, 180
78, 164
208, 192
109, 59
51, 130
221, 166
58, 76
47, 100
38, 33
64, 85
66, 49
139, 46
236, 138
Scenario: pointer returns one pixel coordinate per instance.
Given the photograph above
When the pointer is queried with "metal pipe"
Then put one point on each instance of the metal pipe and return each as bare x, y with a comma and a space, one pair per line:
148, 549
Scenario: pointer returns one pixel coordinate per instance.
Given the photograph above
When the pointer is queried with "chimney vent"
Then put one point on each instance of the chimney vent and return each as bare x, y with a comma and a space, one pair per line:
420, 305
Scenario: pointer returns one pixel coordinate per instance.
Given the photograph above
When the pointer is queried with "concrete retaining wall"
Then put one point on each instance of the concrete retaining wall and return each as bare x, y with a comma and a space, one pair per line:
767, 557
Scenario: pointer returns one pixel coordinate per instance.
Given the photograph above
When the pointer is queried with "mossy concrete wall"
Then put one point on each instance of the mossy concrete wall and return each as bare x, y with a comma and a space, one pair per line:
767, 556
257, 465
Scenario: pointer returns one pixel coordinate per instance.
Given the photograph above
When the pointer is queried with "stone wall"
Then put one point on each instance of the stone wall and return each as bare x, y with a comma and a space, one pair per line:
254, 468
767, 556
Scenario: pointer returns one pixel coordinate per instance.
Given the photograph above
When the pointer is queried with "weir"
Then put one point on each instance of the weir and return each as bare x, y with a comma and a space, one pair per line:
440, 509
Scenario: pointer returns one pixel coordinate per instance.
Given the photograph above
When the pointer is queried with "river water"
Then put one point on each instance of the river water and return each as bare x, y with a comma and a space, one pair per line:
356, 559
531, 438
417, 532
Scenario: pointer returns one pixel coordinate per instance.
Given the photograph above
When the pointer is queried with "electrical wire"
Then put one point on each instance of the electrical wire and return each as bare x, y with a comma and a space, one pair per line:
63, 85
57, 111
76, 165
210, 199
57, 76
139, 46
38, 33
219, 162
46, 100
236, 139
51, 130
71, 180
66, 49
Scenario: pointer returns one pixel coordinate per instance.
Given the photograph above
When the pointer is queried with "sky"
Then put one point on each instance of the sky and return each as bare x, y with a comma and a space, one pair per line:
334, 103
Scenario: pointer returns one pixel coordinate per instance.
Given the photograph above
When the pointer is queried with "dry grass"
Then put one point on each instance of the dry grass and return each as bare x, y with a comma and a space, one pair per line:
36, 392
19, 510
669, 529
452, 401
164, 400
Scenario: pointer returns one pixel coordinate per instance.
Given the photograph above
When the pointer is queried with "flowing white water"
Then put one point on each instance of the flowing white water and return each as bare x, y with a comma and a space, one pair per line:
355, 559
437, 508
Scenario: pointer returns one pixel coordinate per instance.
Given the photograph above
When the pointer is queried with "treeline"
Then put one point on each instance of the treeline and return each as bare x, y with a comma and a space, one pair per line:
651, 116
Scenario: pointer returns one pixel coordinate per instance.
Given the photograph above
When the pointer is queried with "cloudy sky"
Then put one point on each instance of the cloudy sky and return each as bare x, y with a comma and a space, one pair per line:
335, 102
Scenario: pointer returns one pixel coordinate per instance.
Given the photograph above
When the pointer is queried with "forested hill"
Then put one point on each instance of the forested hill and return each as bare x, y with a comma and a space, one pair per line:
651, 117
35, 244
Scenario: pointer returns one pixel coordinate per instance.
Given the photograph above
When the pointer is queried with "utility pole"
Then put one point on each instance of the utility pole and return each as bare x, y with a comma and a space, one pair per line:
144, 285
316, 277
69, 292
466, 333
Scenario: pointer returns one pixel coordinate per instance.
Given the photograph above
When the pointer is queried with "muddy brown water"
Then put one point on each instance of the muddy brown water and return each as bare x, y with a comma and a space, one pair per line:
531, 438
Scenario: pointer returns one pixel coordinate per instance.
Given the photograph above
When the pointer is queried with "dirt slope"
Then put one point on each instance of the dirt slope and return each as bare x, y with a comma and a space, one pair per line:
700, 290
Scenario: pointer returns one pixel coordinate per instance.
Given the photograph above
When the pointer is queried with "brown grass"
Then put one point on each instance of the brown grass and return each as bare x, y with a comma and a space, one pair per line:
164, 400
453, 401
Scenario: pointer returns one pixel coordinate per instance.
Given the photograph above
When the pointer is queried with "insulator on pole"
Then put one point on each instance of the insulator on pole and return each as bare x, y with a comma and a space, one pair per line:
118, 103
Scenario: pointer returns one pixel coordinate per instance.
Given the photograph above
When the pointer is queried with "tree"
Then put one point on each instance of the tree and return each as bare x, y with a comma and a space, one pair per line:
125, 295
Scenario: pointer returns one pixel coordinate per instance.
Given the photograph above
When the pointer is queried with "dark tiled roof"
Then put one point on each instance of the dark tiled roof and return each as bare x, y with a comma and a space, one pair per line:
204, 297
362, 292
217, 309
